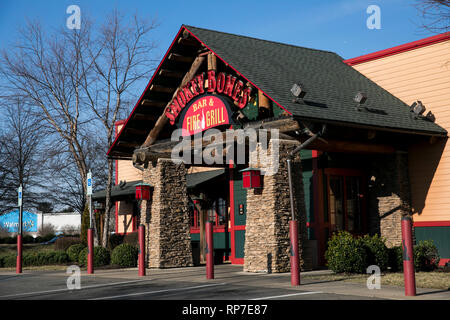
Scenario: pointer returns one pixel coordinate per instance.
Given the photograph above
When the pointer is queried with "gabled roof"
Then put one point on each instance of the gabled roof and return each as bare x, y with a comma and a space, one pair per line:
273, 67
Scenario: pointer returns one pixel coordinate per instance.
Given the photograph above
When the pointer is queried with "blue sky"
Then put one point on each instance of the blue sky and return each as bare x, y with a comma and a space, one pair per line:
338, 26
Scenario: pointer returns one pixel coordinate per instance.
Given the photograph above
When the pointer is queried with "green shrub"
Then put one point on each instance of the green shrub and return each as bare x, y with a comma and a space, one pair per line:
426, 256
395, 258
11, 240
36, 258
9, 260
101, 257
114, 240
28, 239
65, 242
125, 255
377, 252
346, 254
74, 251
47, 237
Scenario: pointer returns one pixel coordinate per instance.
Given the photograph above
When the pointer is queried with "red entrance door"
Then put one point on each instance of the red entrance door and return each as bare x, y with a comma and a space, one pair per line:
344, 205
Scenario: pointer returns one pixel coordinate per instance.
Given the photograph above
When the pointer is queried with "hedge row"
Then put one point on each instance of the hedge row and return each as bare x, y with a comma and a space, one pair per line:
347, 254
35, 259
26, 239
123, 255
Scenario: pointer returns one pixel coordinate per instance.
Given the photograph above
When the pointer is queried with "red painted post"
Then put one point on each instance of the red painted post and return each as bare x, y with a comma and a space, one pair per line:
408, 257
90, 257
209, 251
19, 254
141, 259
295, 268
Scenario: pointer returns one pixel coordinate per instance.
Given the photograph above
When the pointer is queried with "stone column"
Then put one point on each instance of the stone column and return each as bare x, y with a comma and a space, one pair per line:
268, 213
389, 196
166, 216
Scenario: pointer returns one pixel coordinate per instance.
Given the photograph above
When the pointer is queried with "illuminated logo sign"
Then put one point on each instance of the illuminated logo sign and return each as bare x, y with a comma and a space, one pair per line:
222, 83
203, 113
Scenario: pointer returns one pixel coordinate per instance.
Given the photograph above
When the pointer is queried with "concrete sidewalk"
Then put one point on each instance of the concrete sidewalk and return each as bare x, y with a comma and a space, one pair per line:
236, 280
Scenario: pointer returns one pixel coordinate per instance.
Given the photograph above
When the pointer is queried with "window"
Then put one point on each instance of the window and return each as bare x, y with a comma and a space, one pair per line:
217, 212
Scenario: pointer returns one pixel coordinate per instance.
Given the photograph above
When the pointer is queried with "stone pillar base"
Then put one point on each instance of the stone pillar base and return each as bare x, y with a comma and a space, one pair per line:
168, 239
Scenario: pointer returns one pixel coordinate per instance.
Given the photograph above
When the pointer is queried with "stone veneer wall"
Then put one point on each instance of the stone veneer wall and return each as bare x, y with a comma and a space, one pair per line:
268, 214
166, 216
389, 196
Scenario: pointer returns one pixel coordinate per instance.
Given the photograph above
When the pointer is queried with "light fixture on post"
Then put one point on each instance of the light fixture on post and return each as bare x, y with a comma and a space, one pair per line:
360, 98
298, 91
251, 178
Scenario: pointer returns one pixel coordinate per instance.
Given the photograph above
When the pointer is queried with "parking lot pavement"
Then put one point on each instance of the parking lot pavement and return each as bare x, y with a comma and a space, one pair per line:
230, 283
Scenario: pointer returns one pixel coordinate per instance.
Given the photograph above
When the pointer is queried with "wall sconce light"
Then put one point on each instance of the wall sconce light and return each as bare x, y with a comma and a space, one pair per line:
143, 191
251, 178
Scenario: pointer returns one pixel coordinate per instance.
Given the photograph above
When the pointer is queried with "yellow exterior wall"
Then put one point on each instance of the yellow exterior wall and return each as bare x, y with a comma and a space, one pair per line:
422, 74
125, 170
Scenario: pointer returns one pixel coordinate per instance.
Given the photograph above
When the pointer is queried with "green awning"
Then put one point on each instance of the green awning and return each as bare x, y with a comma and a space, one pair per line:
128, 189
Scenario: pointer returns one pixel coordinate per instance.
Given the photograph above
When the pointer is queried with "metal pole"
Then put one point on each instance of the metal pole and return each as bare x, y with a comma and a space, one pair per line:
90, 258
293, 224
209, 250
141, 259
19, 232
408, 257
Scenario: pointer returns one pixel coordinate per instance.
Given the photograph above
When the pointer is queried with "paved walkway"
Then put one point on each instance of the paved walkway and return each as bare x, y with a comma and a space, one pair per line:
230, 283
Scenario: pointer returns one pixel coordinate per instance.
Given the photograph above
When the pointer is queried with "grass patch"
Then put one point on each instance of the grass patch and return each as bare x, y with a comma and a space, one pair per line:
430, 280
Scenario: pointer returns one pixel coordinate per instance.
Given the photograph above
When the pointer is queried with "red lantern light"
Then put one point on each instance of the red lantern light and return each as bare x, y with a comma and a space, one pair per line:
251, 178
143, 191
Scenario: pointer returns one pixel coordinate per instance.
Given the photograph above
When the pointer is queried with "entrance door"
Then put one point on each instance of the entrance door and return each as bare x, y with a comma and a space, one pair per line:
344, 204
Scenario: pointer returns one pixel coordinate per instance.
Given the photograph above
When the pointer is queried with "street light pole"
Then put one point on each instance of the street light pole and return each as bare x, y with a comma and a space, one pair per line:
19, 232
90, 258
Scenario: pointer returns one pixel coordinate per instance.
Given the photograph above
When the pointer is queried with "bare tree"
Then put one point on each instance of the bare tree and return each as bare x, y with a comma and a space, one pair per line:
47, 71
79, 83
436, 15
20, 160
123, 58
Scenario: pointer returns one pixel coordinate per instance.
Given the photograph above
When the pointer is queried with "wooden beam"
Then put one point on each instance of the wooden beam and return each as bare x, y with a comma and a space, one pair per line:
212, 62
170, 73
139, 132
188, 42
128, 144
159, 88
144, 117
152, 103
180, 58
162, 120
350, 147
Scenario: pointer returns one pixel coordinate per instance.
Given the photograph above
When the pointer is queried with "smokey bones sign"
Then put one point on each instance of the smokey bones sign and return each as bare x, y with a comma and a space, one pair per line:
198, 105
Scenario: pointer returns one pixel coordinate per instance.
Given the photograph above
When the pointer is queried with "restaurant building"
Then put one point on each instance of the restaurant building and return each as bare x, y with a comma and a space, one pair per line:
420, 70
351, 175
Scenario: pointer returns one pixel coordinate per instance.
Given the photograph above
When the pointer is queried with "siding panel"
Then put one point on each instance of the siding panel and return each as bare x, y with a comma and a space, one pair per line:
422, 74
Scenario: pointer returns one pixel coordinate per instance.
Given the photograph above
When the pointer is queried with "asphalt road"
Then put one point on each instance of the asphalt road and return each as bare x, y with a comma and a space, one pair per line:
230, 283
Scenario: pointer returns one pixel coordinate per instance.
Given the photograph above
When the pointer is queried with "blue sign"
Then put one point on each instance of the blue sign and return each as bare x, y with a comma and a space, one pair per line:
10, 221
